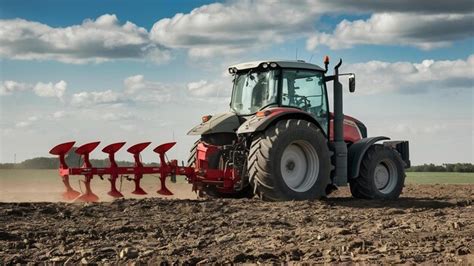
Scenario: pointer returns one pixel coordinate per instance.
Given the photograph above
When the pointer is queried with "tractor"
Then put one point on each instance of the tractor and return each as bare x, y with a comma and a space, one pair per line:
285, 144
279, 141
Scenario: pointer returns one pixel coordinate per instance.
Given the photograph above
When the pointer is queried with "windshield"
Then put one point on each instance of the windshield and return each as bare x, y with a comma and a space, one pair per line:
253, 91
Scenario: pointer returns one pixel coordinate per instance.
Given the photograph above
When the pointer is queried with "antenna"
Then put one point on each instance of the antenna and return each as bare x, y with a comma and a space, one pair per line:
310, 58
296, 55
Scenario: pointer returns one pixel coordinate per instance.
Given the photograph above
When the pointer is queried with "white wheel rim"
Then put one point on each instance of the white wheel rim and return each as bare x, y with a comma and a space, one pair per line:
385, 176
299, 166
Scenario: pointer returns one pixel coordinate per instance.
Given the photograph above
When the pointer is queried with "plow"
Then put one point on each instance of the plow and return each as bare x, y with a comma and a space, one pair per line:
166, 169
279, 141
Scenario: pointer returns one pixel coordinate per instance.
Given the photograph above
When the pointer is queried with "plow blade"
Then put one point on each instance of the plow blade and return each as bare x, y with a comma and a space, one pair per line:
111, 150
84, 151
136, 150
61, 150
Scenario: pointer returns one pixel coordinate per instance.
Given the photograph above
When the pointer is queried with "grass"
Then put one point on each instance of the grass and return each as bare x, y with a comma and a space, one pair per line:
439, 178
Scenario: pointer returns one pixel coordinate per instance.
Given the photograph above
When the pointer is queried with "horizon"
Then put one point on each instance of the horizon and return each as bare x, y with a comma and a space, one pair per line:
108, 71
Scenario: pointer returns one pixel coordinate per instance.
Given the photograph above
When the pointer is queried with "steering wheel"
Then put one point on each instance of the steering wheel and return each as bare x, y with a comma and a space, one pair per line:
302, 101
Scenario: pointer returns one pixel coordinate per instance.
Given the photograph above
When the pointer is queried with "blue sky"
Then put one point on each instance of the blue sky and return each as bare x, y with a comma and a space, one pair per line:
148, 70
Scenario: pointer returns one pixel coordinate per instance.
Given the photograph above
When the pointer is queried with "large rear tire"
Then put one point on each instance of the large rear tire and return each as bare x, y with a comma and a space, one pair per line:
382, 175
290, 161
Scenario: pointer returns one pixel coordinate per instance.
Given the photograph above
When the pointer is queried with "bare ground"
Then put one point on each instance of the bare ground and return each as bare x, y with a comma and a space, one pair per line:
429, 224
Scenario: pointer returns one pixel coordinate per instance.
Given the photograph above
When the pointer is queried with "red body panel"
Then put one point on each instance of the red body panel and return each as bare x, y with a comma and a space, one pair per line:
352, 132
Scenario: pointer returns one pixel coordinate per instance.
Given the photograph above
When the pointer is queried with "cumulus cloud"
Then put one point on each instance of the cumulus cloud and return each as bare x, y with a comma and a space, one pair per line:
8, 87
237, 26
140, 89
425, 31
86, 98
26, 123
204, 88
136, 88
97, 40
406, 77
41, 89
50, 89
233, 27
59, 114
117, 116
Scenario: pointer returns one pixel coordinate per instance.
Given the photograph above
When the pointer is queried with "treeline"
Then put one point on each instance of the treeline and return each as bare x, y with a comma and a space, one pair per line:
72, 160
447, 167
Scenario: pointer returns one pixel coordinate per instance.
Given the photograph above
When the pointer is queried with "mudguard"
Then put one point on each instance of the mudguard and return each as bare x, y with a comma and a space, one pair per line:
357, 151
221, 123
259, 123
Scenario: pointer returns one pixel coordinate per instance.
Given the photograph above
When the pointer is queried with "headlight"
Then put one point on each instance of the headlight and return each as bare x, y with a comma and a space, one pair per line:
264, 65
273, 64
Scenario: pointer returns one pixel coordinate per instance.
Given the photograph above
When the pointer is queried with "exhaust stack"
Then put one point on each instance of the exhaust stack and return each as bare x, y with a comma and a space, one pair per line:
340, 148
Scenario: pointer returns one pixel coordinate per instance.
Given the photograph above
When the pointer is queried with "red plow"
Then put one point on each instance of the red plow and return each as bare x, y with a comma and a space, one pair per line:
114, 172
199, 175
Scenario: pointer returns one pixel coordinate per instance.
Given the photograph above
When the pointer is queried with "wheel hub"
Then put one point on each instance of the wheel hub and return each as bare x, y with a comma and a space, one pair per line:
381, 176
299, 166
290, 165
385, 176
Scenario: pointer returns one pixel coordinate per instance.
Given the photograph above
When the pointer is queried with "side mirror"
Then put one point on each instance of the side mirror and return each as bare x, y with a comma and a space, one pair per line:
352, 83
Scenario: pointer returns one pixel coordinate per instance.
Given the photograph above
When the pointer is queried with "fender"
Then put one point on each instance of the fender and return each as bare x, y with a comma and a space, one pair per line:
221, 123
260, 122
357, 151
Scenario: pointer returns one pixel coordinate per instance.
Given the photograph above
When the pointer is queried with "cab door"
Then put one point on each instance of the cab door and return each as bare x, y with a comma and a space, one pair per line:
305, 89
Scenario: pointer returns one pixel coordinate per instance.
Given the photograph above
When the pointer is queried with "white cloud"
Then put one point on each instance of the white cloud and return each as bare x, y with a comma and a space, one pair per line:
95, 97
41, 89
59, 114
234, 27
117, 116
425, 31
26, 123
203, 89
97, 40
50, 89
406, 77
8, 87
139, 89
239, 26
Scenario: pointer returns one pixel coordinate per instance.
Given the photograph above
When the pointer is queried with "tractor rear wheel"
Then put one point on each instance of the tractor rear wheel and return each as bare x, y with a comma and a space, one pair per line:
290, 161
382, 174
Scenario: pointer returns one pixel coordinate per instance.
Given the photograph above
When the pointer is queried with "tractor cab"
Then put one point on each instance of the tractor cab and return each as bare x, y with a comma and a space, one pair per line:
280, 84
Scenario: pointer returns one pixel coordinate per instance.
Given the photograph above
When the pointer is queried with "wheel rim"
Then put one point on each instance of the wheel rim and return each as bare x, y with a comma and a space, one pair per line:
385, 176
299, 166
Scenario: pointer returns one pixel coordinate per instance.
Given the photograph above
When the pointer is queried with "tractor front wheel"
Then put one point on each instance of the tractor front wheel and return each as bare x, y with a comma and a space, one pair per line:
290, 161
382, 175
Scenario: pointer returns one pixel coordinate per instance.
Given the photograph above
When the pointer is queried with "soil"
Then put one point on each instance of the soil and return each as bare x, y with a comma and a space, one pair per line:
428, 224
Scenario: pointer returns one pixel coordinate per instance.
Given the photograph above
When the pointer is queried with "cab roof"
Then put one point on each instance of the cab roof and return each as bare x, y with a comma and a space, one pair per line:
281, 63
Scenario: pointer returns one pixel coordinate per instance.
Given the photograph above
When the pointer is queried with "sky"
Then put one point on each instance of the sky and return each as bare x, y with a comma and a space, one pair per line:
136, 71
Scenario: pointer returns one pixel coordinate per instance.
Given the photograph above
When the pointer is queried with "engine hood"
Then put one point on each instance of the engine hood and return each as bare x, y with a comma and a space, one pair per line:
220, 123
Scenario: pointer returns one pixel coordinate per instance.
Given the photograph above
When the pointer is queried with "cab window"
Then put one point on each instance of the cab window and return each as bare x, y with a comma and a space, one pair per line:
304, 89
